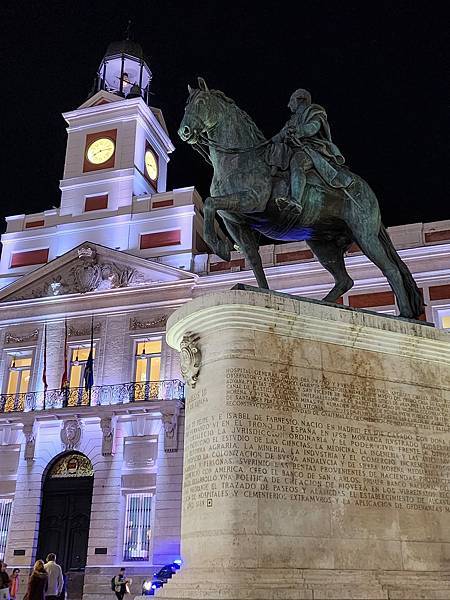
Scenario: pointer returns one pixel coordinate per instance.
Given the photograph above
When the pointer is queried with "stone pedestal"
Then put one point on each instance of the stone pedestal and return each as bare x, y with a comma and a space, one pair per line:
317, 452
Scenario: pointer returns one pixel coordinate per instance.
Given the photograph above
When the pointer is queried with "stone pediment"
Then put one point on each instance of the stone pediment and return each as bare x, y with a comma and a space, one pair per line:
91, 268
101, 97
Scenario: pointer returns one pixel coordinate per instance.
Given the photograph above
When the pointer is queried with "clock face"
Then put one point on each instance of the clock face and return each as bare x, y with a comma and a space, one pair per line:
151, 165
100, 151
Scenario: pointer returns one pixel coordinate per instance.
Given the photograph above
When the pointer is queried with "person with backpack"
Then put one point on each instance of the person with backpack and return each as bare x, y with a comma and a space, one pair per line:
120, 584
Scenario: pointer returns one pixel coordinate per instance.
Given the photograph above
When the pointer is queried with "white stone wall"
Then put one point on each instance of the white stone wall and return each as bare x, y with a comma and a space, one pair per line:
108, 501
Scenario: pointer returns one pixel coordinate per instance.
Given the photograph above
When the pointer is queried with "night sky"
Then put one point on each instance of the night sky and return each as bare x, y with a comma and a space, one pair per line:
379, 68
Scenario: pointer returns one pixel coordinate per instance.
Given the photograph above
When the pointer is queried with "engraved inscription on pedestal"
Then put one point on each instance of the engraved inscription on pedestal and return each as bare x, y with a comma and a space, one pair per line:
313, 454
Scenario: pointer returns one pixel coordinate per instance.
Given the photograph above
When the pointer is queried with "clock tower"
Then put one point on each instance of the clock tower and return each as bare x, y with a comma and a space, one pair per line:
118, 146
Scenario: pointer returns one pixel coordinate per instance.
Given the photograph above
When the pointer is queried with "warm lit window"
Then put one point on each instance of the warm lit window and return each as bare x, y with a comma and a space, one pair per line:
148, 360
76, 395
441, 316
137, 533
147, 369
79, 356
19, 372
5, 517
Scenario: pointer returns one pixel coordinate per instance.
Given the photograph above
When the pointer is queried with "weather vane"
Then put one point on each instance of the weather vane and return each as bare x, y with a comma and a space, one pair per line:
128, 30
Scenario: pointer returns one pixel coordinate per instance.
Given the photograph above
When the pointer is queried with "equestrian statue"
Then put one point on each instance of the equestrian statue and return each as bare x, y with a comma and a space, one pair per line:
292, 187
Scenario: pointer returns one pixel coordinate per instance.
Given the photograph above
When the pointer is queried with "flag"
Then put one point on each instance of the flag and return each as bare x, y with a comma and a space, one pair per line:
65, 378
44, 372
89, 367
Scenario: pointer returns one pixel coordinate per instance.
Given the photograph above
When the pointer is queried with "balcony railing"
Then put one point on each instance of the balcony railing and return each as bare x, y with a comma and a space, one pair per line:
102, 395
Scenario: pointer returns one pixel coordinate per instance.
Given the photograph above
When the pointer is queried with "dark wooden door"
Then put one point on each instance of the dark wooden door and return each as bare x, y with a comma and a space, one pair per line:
64, 523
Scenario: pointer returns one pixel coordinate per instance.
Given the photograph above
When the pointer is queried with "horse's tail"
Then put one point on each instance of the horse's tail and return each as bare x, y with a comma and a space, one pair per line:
412, 291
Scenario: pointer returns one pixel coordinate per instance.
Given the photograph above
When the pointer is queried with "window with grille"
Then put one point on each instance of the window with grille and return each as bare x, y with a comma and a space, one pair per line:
5, 517
137, 534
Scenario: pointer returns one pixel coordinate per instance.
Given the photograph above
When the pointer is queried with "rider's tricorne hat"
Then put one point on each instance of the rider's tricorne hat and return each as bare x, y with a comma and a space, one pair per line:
301, 94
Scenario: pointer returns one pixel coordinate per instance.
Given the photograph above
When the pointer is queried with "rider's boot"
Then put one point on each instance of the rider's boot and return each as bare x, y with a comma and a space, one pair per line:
298, 184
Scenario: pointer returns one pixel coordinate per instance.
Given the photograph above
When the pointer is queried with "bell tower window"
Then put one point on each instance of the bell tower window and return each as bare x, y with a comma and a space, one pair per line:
96, 202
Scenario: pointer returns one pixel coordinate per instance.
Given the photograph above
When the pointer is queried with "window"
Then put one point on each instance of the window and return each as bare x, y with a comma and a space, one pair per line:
147, 369
19, 373
137, 533
31, 224
441, 317
78, 358
160, 239
5, 517
96, 202
29, 257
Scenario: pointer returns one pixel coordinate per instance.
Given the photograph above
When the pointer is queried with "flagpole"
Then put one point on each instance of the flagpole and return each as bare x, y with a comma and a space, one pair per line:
91, 354
44, 373
64, 380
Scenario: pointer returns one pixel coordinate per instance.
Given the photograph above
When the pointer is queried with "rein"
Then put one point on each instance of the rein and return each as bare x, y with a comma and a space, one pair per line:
205, 144
208, 142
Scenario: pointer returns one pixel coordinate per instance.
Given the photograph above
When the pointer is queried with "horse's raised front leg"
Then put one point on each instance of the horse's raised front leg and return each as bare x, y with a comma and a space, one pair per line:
240, 202
245, 239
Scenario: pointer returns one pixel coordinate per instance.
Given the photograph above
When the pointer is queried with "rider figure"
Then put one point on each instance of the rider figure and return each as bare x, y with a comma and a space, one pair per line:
305, 143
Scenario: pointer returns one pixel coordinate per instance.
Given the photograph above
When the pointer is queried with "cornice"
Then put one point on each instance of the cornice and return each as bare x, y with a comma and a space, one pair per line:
113, 112
279, 314
125, 411
353, 263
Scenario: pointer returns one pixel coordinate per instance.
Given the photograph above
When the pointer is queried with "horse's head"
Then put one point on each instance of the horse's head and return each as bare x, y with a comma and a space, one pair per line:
201, 113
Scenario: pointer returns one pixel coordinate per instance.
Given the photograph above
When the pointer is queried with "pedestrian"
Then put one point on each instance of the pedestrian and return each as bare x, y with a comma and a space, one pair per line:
121, 584
14, 584
55, 578
4, 582
37, 583
62, 595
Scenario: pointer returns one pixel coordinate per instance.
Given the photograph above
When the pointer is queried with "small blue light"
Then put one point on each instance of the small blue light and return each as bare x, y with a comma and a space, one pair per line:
178, 561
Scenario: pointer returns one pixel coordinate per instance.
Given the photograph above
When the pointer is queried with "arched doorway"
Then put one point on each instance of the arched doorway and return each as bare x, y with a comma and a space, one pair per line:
66, 514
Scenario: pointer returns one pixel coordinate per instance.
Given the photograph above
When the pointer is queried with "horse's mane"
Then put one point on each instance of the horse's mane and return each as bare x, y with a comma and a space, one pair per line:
254, 129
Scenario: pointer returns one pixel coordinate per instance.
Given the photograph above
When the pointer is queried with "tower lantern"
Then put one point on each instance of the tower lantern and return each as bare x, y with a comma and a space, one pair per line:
124, 71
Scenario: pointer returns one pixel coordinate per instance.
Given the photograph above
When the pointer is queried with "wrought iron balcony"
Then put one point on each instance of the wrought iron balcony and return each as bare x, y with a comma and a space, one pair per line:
102, 395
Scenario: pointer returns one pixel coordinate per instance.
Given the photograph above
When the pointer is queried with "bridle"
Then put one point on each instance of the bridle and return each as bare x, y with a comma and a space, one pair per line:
204, 144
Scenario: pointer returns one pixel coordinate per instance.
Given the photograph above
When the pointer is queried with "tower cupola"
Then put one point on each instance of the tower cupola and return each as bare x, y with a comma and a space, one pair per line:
124, 71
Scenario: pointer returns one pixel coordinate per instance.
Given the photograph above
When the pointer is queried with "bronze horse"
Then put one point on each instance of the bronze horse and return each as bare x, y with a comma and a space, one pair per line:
248, 198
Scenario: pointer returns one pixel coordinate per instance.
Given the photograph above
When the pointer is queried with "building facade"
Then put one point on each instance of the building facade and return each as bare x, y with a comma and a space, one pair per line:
91, 466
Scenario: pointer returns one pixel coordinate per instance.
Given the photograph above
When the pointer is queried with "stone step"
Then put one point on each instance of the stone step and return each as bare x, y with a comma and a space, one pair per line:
350, 593
415, 594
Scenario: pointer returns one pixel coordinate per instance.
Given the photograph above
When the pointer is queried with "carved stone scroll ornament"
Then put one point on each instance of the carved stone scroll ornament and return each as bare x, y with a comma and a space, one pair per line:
190, 357
83, 331
159, 321
107, 425
71, 434
18, 339
30, 434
